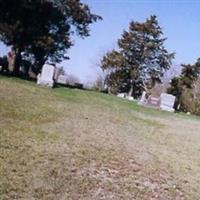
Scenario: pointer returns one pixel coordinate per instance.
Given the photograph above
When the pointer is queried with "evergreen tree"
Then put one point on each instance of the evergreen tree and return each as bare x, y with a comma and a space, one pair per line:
140, 60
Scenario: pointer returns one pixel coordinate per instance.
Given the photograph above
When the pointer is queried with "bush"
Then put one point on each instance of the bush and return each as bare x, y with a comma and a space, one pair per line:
190, 99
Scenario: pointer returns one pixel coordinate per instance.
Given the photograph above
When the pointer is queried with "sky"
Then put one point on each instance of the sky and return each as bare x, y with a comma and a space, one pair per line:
179, 19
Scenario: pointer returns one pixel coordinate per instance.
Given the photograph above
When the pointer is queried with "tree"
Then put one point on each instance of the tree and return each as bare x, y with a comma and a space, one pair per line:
190, 73
182, 85
43, 28
140, 60
99, 85
176, 89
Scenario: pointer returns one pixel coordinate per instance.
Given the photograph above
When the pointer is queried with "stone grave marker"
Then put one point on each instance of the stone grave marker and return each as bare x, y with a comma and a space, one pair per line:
130, 98
62, 79
143, 98
11, 60
167, 102
122, 95
46, 76
153, 101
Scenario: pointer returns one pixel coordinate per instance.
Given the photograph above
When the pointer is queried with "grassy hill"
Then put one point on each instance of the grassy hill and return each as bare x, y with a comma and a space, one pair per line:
68, 144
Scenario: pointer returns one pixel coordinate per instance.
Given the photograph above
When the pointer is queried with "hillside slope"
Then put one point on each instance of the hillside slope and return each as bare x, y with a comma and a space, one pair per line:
72, 144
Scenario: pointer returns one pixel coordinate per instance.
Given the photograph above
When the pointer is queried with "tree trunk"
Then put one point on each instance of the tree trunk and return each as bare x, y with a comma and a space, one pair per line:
38, 66
17, 63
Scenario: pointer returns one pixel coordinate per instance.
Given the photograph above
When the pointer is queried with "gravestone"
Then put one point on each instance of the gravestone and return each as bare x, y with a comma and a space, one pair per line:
130, 98
167, 102
153, 101
122, 95
11, 60
62, 79
143, 98
46, 76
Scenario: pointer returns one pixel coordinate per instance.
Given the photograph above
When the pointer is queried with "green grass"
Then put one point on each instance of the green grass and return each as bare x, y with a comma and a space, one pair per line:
72, 144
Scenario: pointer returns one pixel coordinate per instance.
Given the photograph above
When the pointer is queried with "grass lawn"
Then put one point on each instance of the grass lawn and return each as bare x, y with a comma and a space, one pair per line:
69, 144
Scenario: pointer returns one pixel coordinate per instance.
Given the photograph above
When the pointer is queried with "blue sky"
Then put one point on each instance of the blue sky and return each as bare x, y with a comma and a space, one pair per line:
180, 20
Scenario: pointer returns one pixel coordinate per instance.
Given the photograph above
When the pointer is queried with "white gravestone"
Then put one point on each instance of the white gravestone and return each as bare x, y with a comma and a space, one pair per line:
62, 79
167, 102
11, 60
130, 98
46, 76
122, 95
143, 98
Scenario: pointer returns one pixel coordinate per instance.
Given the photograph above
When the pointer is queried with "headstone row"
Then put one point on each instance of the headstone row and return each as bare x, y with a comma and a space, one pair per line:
164, 102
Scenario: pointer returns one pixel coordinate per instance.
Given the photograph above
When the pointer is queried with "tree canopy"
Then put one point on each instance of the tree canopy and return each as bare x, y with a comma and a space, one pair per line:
140, 60
43, 28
